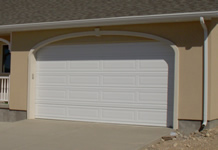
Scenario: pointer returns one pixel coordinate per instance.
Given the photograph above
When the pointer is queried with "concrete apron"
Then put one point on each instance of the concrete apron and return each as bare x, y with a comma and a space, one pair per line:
69, 135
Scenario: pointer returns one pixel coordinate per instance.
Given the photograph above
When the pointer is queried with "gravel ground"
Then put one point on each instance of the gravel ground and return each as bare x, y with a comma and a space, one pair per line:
204, 140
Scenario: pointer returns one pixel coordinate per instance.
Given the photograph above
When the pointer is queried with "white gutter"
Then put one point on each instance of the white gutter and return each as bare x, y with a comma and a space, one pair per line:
175, 17
205, 100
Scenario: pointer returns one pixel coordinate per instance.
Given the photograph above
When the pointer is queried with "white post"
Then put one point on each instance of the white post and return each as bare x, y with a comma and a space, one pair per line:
8, 88
4, 89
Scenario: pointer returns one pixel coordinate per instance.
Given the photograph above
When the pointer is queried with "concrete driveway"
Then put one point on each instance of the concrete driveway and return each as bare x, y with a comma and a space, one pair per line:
68, 135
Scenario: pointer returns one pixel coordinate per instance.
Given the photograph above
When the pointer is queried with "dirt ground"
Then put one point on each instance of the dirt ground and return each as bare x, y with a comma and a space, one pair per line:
204, 140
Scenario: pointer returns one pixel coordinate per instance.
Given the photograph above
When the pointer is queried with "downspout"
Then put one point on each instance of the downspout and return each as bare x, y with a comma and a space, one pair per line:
205, 99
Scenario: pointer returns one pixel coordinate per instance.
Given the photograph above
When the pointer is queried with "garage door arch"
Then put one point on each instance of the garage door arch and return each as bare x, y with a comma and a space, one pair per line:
97, 32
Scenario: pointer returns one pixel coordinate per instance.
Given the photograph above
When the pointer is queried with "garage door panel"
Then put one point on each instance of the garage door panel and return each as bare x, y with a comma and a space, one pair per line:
87, 95
142, 95
97, 79
102, 66
51, 94
91, 80
154, 81
118, 105
99, 88
102, 114
83, 112
52, 65
154, 116
118, 96
151, 97
118, 114
117, 80
119, 65
51, 79
153, 65
84, 65
57, 110
129, 83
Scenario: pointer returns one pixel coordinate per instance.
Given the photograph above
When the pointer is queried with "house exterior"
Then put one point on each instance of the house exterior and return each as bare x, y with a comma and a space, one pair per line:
130, 62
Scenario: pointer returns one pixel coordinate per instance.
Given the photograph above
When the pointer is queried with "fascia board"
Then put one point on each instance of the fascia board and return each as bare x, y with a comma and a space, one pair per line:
161, 18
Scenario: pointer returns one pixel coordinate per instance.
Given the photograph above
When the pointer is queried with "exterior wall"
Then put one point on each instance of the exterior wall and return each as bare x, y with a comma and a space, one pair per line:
6, 37
187, 36
18, 80
213, 70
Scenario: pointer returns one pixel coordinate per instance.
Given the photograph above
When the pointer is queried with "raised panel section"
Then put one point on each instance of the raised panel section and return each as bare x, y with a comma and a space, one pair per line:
153, 98
118, 114
85, 80
51, 94
153, 116
84, 95
154, 65
153, 80
51, 65
84, 65
51, 79
119, 65
119, 80
50, 110
83, 112
118, 96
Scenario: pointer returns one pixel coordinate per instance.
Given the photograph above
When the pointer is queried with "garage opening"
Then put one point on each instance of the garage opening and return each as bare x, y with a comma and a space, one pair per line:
127, 83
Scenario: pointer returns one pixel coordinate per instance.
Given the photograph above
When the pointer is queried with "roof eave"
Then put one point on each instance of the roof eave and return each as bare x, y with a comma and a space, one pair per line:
161, 18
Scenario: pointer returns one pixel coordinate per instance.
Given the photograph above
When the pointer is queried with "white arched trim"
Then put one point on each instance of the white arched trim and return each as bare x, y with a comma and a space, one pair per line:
6, 42
97, 32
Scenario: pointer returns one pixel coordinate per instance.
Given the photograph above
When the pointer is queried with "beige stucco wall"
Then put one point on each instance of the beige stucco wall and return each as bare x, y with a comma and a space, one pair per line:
187, 36
213, 70
6, 37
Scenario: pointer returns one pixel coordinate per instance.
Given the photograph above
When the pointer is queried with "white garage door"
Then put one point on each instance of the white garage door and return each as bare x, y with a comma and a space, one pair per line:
130, 83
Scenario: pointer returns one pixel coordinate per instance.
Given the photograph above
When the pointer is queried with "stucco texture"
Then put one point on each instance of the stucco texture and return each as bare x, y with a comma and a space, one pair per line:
213, 70
6, 37
188, 37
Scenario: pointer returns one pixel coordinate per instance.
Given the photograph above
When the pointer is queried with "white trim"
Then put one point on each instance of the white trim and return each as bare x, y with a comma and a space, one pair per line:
205, 100
32, 63
31, 86
10, 41
6, 42
174, 17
